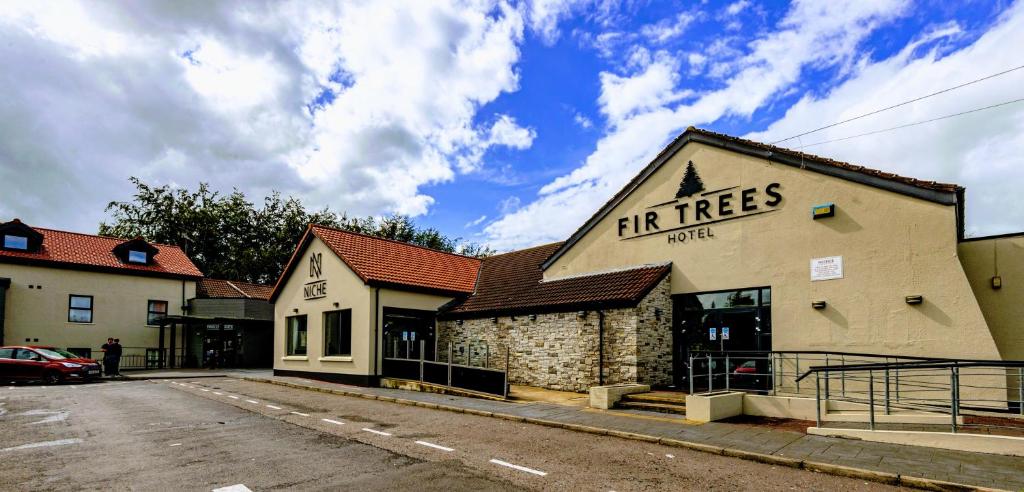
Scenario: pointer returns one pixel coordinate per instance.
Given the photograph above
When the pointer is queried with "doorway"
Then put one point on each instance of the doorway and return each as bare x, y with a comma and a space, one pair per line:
404, 329
733, 323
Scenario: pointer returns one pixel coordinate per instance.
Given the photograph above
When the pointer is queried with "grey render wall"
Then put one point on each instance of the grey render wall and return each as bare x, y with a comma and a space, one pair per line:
560, 350
232, 308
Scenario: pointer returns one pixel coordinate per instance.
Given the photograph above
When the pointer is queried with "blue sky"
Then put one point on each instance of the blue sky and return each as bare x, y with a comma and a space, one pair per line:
506, 123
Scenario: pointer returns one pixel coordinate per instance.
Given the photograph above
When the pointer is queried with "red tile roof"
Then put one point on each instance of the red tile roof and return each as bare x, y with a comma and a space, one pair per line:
513, 283
388, 263
232, 289
76, 250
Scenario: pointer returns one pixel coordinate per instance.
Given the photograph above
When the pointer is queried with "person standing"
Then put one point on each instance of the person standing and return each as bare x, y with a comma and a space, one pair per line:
116, 357
108, 357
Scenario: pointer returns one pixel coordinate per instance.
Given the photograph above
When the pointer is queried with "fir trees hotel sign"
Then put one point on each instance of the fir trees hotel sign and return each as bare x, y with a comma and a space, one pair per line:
695, 209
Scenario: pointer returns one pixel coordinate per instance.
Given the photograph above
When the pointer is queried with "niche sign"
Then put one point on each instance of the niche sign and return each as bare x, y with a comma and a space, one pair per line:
316, 288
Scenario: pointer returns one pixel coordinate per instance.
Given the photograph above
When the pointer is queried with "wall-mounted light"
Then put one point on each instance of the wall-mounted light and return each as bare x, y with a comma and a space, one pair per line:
657, 314
494, 319
818, 304
915, 299
533, 317
295, 310
337, 304
581, 314
458, 322
997, 282
513, 318
822, 211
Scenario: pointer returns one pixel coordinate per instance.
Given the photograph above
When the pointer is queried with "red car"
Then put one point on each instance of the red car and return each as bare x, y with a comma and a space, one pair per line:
47, 364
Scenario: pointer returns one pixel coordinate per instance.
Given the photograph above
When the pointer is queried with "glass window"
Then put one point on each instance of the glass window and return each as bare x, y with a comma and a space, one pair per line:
137, 256
296, 334
6, 353
80, 309
155, 311
731, 299
15, 242
338, 332
24, 354
50, 354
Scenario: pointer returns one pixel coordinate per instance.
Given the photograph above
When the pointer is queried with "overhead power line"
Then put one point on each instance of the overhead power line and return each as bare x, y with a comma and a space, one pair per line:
914, 124
904, 103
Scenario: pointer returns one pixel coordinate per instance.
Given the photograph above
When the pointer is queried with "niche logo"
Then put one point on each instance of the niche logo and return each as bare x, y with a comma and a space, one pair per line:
317, 288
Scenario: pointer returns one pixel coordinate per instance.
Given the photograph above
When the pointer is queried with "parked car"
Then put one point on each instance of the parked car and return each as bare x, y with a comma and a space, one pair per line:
47, 364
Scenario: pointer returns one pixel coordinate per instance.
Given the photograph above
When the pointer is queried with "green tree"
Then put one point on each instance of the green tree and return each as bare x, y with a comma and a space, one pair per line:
228, 236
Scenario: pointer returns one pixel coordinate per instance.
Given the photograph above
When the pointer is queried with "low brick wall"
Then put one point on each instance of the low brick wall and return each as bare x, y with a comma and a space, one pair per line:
560, 350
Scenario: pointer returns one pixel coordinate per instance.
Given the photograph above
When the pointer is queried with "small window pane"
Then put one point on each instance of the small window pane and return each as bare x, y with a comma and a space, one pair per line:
6, 353
84, 302
136, 256
15, 242
80, 309
297, 335
156, 310
338, 332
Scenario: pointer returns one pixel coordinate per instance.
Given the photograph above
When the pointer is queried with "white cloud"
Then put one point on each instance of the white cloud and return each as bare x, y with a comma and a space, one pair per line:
668, 29
736, 7
356, 105
977, 150
582, 121
811, 34
475, 222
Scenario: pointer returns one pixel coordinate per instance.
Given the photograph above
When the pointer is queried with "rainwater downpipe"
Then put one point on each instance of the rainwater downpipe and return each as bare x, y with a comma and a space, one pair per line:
376, 325
600, 348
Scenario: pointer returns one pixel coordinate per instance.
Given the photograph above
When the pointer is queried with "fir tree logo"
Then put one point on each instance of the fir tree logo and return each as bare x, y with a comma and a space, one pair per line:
691, 183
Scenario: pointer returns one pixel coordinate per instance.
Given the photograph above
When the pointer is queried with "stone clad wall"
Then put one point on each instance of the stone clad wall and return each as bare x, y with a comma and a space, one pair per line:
560, 350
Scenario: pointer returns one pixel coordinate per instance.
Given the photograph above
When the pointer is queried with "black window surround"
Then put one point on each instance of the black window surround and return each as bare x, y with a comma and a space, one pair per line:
295, 333
338, 333
18, 236
80, 309
136, 252
155, 310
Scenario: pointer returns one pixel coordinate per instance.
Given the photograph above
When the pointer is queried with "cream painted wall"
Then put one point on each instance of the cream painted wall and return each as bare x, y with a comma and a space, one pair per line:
1003, 307
120, 304
343, 287
892, 246
349, 291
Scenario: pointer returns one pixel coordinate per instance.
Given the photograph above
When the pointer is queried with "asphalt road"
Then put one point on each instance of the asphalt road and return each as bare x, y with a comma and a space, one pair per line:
206, 434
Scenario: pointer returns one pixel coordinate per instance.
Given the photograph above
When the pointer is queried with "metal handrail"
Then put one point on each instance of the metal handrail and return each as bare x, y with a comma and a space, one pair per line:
912, 365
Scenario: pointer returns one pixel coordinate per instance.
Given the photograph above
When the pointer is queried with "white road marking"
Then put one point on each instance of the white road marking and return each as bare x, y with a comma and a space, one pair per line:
218, 393
670, 456
329, 421
379, 433
435, 446
252, 401
54, 415
301, 414
233, 488
520, 468
272, 406
175, 444
206, 390
44, 444
233, 397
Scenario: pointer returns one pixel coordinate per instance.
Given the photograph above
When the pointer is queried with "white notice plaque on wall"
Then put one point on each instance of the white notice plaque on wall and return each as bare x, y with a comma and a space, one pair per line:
828, 268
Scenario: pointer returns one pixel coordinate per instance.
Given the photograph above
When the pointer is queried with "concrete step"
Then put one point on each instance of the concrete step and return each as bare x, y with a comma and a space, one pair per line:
652, 407
657, 397
901, 417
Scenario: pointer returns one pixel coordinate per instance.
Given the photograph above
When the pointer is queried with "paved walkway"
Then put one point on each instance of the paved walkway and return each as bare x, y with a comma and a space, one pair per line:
982, 470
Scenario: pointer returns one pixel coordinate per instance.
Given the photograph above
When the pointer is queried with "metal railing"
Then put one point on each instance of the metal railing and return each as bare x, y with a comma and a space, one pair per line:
728, 371
973, 393
447, 372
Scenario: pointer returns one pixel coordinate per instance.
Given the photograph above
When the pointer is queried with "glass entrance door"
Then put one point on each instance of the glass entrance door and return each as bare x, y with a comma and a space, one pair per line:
404, 329
737, 323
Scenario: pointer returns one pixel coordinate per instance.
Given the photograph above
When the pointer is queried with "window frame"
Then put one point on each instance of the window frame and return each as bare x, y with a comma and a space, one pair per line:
327, 340
143, 261
15, 248
289, 349
150, 312
91, 309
